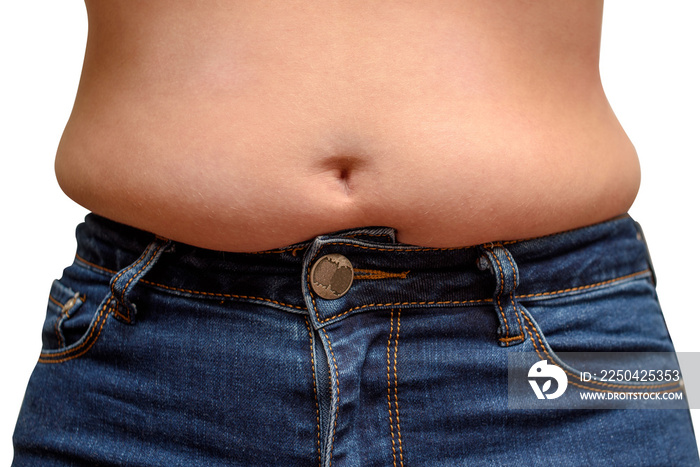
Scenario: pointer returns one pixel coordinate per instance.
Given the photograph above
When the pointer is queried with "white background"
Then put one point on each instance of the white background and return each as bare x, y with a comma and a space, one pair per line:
649, 64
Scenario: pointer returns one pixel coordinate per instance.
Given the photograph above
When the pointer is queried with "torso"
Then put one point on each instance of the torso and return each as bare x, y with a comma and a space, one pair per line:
246, 126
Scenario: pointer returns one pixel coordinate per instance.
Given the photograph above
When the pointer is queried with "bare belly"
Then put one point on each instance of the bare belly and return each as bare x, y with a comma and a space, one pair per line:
256, 125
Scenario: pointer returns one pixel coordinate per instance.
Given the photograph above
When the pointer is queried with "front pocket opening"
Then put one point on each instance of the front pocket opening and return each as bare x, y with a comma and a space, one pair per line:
63, 305
545, 352
67, 310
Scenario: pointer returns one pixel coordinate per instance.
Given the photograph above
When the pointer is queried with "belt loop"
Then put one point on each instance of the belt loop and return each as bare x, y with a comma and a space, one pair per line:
125, 280
500, 262
642, 238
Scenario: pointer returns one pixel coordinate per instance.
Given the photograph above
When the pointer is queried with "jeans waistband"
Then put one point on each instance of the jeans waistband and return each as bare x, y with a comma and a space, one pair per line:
385, 273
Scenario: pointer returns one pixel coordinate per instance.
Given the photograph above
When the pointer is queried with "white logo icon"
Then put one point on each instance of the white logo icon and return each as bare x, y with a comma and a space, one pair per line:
543, 370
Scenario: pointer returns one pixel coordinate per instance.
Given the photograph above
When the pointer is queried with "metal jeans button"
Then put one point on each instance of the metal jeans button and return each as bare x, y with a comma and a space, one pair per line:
331, 276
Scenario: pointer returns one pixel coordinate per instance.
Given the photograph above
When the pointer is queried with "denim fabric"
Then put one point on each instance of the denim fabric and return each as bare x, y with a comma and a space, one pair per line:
160, 353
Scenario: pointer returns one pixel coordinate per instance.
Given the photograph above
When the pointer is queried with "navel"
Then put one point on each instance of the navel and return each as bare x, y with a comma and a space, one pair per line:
344, 169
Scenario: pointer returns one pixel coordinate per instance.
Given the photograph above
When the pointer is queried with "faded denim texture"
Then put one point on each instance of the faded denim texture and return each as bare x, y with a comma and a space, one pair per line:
160, 353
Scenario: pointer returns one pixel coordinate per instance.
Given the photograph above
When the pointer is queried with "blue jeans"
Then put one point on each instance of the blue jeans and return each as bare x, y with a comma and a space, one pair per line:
347, 350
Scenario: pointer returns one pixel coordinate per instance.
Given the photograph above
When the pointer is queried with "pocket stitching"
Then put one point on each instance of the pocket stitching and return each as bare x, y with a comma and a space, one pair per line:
85, 343
555, 359
64, 314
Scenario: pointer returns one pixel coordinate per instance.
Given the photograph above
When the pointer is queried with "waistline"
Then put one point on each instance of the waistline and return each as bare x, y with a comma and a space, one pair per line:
384, 273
